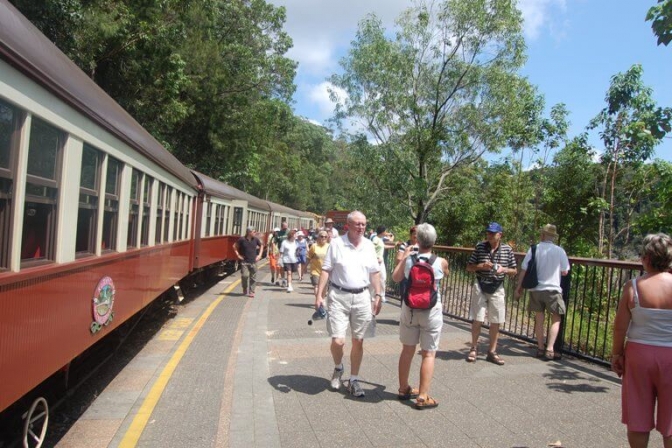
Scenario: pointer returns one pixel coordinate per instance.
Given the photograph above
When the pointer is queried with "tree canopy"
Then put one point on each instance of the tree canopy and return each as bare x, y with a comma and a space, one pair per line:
436, 96
426, 107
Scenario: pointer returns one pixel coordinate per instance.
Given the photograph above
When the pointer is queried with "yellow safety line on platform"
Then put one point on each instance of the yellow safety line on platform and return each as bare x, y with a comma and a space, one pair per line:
133, 434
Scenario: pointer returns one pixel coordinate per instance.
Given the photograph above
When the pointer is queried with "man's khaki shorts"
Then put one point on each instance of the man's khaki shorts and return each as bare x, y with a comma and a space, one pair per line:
350, 309
494, 304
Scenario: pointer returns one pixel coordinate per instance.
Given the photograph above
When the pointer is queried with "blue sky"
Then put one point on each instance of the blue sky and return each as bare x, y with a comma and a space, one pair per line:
574, 48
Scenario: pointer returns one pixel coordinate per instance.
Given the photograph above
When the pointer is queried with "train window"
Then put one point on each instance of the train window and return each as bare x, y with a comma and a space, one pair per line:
159, 213
208, 218
146, 205
111, 208
222, 219
218, 219
44, 149
227, 219
178, 210
39, 219
237, 220
9, 130
179, 217
185, 217
134, 210
87, 215
166, 215
9, 126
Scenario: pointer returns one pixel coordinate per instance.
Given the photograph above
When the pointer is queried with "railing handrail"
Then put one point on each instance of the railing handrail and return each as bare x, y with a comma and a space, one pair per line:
591, 298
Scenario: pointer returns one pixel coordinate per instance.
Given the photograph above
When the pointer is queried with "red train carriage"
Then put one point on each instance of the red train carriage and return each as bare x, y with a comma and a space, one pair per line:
97, 219
95, 215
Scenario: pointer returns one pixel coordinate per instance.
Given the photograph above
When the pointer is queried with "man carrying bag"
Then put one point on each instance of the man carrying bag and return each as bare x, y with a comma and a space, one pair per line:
551, 264
492, 260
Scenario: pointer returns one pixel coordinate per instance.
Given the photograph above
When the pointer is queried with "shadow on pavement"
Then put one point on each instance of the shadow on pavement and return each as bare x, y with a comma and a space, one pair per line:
305, 384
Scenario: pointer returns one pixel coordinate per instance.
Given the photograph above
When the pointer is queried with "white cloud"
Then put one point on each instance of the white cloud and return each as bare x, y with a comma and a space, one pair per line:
319, 96
540, 14
321, 29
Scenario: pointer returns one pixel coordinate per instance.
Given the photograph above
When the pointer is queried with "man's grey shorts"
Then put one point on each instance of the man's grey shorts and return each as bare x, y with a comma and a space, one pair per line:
547, 300
421, 326
350, 309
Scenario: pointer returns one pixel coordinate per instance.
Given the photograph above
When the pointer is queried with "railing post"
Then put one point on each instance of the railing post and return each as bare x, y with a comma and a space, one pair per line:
565, 284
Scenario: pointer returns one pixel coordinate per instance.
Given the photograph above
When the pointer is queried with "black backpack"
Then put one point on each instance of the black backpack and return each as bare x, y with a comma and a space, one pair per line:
421, 292
530, 280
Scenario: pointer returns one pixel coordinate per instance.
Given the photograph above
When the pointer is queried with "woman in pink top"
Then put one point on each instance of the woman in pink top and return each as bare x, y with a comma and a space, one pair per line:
645, 360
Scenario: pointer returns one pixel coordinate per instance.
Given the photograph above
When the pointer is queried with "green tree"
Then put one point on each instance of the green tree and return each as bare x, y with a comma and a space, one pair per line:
202, 76
437, 96
658, 215
569, 201
630, 126
660, 16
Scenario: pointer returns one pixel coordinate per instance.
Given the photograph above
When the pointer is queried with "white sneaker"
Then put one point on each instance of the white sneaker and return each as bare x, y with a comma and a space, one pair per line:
290, 289
355, 389
336, 379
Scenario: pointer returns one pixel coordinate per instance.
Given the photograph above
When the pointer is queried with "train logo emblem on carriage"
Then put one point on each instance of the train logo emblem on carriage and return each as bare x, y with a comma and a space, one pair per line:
102, 304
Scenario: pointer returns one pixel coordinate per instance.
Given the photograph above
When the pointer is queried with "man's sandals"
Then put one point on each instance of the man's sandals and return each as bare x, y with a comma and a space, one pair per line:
408, 393
425, 403
473, 353
494, 358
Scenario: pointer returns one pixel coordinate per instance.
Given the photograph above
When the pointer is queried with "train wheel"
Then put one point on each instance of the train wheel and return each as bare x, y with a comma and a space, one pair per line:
35, 426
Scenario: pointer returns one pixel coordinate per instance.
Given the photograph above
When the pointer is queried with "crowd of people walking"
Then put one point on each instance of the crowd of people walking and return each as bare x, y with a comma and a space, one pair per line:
348, 274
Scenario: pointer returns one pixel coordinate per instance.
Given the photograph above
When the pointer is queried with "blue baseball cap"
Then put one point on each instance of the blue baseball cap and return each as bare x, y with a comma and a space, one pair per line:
494, 227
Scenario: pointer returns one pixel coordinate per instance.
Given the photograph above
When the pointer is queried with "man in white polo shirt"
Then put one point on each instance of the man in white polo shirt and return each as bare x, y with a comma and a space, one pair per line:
349, 267
552, 263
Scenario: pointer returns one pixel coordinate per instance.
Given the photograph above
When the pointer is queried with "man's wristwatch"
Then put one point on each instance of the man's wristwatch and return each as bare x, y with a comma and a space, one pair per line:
378, 295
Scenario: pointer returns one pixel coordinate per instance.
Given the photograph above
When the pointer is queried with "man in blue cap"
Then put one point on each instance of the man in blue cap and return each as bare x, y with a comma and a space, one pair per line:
491, 261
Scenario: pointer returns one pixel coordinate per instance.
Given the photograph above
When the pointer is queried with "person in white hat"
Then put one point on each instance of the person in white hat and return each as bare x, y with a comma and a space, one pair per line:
329, 227
551, 263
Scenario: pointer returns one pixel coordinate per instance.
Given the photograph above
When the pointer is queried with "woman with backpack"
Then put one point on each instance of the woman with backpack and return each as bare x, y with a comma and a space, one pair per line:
421, 317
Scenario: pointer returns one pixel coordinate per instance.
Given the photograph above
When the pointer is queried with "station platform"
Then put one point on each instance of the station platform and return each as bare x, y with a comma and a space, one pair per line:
234, 371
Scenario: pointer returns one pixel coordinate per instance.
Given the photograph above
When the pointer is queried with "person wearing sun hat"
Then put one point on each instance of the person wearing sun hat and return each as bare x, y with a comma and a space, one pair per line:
552, 264
492, 260
331, 230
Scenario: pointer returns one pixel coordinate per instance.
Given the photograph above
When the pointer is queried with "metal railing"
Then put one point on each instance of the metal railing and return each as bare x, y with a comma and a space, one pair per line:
591, 292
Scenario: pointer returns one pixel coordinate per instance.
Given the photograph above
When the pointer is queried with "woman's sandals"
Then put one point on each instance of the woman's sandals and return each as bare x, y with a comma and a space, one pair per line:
408, 393
425, 403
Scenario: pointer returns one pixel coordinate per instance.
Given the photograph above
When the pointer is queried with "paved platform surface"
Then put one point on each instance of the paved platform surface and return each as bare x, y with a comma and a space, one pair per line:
230, 371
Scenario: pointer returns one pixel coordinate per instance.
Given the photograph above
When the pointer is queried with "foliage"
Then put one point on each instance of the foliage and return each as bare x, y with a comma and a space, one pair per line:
570, 197
660, 16
631, 125
437, 96
210, 79
657, 215
203, 76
